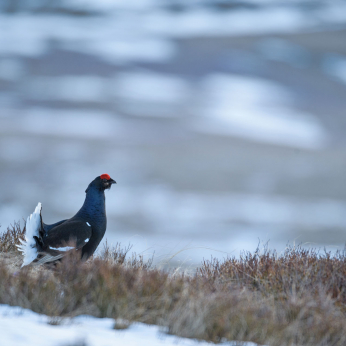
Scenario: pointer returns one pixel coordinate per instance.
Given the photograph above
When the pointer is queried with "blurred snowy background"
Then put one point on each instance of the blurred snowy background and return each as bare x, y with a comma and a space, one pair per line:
223, 121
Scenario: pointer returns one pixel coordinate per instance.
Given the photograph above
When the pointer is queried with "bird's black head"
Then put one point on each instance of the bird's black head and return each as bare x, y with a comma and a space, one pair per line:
103, 182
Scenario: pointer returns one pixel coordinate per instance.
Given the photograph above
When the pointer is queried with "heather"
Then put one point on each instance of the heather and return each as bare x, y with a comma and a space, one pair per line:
294, 298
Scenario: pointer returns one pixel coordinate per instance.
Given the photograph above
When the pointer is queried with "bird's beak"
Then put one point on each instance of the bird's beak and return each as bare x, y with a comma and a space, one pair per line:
109, 183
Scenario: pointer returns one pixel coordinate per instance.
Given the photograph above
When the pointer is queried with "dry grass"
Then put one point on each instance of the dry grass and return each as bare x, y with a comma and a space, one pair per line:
296, 271
10, 238
297, 298
117, 255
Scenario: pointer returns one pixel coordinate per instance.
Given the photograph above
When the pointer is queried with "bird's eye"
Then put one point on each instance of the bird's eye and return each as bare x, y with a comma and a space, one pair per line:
104, 180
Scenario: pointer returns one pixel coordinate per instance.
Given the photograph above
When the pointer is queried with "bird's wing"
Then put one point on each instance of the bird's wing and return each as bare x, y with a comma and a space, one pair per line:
75, 231
47, 228
70, 235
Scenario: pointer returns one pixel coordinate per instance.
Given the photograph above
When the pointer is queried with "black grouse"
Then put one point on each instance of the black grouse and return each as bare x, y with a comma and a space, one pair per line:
83, 232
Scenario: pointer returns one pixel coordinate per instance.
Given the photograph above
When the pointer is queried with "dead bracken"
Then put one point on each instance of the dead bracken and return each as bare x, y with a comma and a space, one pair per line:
296, 298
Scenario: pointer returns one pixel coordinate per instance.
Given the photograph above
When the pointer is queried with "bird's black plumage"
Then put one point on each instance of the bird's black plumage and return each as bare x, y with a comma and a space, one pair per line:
83, 231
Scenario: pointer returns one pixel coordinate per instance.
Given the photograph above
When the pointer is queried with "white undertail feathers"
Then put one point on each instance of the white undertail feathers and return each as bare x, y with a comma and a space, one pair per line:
28, 246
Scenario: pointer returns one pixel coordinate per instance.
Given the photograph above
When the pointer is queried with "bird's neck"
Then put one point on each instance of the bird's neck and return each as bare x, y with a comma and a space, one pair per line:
94, 204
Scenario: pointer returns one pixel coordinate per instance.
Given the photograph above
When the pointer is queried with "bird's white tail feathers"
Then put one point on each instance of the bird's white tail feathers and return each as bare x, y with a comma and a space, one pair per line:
28, 246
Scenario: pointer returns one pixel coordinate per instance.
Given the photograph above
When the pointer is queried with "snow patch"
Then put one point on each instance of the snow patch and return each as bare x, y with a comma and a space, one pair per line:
150, 87
28, 246
22, 327
256, 109
70, 123
204, 22
122, 51
150, 94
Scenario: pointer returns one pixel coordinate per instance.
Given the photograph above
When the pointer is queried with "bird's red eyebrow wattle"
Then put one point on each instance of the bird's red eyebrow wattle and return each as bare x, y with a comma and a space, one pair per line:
105, 176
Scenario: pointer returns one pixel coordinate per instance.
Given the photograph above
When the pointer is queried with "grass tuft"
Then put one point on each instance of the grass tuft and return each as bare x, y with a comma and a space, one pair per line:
81, 342
55, 321
121, 324
117, 255
10, 238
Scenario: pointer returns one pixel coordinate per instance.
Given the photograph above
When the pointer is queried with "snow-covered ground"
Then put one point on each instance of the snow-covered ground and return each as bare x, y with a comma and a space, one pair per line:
22, 327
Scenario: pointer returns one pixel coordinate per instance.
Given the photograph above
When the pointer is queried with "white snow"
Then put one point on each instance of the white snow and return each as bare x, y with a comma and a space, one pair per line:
86, 240
332, 12
150, 94
109, 5
115, 39
150, 87
204, 22
88, 225
69, 123
28, 247
256, 109
22, 327
65, 248
121, 51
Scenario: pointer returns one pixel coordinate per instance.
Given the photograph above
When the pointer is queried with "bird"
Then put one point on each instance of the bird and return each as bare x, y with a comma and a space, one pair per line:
83, 232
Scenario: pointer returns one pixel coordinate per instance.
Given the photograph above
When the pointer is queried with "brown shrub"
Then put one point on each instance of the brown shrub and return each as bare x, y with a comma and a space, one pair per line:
296, 271
10, 238
118, 255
